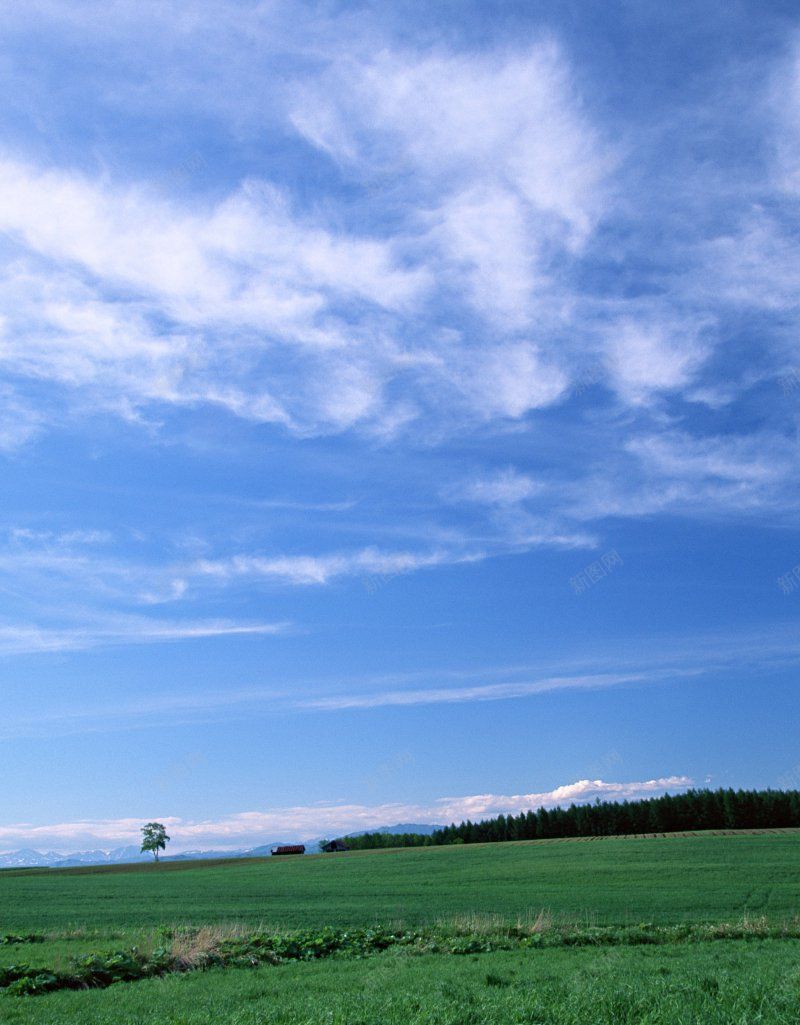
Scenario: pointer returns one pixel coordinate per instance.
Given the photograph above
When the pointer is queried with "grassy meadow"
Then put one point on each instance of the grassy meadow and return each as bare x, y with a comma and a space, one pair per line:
713, 985
613, 880
573, 910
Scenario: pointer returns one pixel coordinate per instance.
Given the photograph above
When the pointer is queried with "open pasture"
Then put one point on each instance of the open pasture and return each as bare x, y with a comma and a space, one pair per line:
713, 984
607, 881
474, 975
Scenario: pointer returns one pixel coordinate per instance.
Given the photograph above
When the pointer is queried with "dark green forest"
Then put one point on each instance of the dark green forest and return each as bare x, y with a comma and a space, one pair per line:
693, 810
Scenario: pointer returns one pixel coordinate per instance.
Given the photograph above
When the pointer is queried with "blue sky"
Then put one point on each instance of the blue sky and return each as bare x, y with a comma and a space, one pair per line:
398, 411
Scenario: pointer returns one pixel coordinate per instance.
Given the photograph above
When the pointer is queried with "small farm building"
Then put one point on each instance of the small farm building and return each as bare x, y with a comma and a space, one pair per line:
294, 848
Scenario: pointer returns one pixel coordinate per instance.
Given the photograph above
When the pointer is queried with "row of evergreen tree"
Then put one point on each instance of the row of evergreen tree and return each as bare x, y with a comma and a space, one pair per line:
692, 810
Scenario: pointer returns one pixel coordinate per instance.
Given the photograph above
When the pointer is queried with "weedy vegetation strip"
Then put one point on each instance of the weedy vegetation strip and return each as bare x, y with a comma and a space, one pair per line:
11, 939
188, 952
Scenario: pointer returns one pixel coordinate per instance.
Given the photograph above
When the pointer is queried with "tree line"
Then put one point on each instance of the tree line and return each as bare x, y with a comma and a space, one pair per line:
692, 810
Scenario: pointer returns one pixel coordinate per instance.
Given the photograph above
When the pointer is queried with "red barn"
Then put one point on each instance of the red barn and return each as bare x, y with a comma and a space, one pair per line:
295, 848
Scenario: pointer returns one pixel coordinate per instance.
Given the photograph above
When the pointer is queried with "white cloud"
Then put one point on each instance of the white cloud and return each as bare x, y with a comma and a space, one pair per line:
675, 472
239, 305
510, 117
308, 822
749, 461
510, 380
83, 588
491, 167
448, 275
785, 102
582, 792
496, 178
50, 563
646, 662
247, 265
485, 692
483, 231
247, 260
646, 356
504, 488
104, 631
755, 265
308, 569
66, 539
235, 703
303, 570
507, 170
455, 695
19, 421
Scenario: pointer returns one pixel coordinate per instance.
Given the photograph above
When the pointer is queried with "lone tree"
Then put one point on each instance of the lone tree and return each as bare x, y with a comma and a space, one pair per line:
154, 838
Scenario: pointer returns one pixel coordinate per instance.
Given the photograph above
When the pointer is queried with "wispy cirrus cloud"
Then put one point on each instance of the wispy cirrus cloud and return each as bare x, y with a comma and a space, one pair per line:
514, 120
93, 572
20, 422
785, 107
475, 230
92, 631
308, 569
246, 265
647, 358
494, 167
483, 692
247, 260
279, 314
506, 487
232, 703
501, 180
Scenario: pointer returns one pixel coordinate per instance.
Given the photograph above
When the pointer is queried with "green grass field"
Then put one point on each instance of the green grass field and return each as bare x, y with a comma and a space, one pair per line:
608, 883
738, 983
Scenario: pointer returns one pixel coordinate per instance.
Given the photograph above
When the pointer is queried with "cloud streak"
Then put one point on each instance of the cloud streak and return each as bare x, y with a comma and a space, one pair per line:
656, 662
109, 631
483, 692
104, 588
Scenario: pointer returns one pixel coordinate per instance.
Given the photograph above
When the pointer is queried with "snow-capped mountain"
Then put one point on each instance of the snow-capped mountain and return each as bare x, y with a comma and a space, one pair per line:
29, 858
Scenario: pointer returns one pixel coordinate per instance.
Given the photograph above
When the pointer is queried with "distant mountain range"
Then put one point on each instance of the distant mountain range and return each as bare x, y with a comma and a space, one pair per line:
424, 828
28, 858
126, 855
